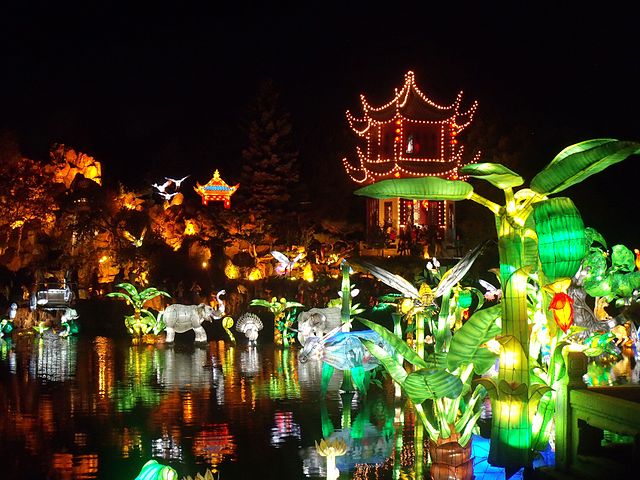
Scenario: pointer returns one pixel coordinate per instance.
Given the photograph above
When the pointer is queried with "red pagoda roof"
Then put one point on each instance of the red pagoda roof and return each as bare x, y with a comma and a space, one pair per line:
216, 190
409, 102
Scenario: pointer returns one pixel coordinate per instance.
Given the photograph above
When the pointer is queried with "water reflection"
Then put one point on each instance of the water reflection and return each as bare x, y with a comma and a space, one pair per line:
53, 358
87, 408
285, 429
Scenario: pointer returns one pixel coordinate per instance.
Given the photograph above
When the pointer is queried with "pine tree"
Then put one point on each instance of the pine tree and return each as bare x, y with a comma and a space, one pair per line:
270, 176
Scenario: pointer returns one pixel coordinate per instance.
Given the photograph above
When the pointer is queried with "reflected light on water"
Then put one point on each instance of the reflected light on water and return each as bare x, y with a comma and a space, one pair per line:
88, 408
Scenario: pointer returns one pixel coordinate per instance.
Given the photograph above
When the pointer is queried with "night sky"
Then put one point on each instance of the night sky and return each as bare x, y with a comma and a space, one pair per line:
163, 91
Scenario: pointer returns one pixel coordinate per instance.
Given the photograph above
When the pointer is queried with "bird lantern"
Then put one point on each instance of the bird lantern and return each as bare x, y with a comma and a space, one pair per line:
249, 324
561, 238
562, 307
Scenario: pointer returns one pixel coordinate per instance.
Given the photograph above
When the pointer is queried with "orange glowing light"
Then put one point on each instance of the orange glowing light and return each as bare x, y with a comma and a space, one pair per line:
255, 274
190, 227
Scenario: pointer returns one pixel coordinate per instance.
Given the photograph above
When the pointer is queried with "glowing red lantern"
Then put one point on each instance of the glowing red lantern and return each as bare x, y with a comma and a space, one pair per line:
562, 306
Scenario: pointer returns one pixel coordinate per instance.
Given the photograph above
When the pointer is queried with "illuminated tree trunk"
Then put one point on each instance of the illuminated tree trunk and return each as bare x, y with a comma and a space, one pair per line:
511, 429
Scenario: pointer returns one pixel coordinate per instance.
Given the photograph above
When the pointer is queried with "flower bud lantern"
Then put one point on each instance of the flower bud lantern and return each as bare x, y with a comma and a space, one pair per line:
562, 306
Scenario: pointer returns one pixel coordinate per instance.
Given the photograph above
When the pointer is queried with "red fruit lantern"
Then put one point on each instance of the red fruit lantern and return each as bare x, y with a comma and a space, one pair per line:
562, 307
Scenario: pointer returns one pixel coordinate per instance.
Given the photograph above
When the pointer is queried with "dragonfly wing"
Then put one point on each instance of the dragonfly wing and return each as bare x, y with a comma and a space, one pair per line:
392, 280
460, 269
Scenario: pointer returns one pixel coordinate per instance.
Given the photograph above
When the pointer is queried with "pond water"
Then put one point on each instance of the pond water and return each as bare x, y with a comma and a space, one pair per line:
96, 407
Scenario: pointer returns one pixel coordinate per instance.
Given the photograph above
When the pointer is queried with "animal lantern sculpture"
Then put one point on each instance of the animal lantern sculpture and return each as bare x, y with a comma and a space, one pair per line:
68, 322
249, 324
316, 322
182, 318
344, 351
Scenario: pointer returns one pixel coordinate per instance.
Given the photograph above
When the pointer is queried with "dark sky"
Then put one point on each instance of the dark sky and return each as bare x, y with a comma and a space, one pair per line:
161, 91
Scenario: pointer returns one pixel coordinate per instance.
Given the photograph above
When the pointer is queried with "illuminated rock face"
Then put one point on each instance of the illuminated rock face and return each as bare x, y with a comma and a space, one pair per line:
66, 164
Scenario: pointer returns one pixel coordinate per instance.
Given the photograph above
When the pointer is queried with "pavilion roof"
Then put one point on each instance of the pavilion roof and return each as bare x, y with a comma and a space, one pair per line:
411, 103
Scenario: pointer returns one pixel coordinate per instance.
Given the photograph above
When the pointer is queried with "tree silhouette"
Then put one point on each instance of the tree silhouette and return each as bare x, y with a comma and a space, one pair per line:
270, 176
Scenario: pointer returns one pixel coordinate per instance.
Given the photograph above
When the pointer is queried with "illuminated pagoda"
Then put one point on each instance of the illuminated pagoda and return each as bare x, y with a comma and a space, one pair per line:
216, 190
410, 136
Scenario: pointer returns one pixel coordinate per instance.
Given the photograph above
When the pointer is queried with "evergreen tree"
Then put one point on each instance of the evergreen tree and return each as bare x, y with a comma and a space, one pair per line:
270, 177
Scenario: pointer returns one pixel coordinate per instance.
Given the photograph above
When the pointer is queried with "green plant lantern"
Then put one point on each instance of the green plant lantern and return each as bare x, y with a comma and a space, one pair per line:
514, 399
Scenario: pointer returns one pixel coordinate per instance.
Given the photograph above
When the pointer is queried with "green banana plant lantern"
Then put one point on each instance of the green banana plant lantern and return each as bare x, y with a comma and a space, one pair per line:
142, 321
513, 399
282, 319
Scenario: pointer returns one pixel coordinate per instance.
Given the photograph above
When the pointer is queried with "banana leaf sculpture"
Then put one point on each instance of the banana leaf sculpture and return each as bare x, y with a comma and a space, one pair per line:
142, 321
513, 398
282, 332
444, 375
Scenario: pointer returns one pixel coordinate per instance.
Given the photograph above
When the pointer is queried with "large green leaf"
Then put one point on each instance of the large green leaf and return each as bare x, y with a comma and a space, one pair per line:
129, 288
483, 360
388, 361
152, 292
396, 342
578, 162
471, 335
428, 188
120, 295
593, 236
429, 383
494, 173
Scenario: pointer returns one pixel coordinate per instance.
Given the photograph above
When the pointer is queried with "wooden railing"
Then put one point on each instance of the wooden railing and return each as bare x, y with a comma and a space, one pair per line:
584, 414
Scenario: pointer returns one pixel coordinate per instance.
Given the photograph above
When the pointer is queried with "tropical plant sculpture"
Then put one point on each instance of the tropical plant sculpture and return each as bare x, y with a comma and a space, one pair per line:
142, 321
444, 374
282, 318
6, 322
513, 398
68, 323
